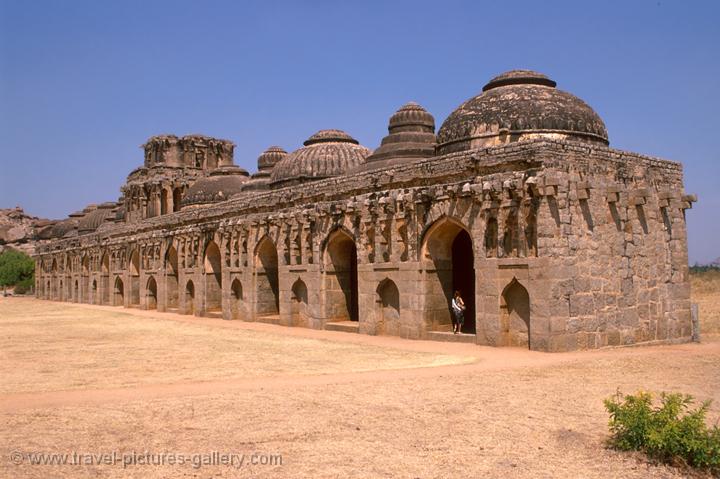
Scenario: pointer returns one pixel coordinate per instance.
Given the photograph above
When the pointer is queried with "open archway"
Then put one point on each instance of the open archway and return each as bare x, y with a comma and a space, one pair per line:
171, 278
267, 300
76, 292
105, 279
177, 199
118, 293
447, 243
213, 278
340, 282
93, 292
388, 308
236, 296
84, 295
189, 298
298, 305
515, 315
134, 269
151, 293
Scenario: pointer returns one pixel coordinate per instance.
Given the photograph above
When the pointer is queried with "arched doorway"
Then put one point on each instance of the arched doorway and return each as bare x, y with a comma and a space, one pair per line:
134, 268
76, 292
340, 278
298, 305
213, 278
449, 246
171, 278
119, 293
164, 201
61, 294
388, 308
151, 293
515, 315
267, 301
105, 279
93, 292
85, 280
189, 298
177, 199
236, 294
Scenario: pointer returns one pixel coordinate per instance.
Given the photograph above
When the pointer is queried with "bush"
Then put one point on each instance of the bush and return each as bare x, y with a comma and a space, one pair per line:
671, 432
16, 268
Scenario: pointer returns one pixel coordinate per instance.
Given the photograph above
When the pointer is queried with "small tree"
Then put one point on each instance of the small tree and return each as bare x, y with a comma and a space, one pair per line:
17, 269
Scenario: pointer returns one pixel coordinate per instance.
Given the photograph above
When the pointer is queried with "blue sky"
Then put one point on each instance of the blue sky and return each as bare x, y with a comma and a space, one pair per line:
84, 83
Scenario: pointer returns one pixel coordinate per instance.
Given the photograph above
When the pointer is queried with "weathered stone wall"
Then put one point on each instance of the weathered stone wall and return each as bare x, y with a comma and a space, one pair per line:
573, 246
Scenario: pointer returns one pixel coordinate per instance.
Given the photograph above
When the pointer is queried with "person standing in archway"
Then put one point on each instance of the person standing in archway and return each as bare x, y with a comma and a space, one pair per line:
458, 307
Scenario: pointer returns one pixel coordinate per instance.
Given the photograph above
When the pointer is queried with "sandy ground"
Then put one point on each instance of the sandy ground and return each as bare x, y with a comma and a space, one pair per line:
100, 380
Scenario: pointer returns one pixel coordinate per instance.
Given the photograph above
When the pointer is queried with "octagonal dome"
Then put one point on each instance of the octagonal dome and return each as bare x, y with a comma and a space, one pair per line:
519, 105
326, 154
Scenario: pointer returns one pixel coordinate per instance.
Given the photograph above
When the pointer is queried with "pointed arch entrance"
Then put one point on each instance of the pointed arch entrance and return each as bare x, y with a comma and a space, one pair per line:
388, 308
105, 279
151, 293
213, 278
340, 281
134, 270
515, 315
118, 293
298, 306
267, 299
189, 298
236, 296
171, 278
448, 248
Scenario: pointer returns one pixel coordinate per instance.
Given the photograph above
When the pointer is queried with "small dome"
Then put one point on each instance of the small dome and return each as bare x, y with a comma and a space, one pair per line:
219, 185
96, 217
411, 137
326, 154
519, 105
269, 158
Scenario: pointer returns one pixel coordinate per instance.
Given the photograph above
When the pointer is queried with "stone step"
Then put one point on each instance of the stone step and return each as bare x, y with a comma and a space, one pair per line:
345, 326
270, 319
448, 336
213, 314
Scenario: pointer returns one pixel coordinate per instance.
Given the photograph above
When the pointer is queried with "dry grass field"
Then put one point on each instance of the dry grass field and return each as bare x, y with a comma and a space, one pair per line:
98, 380
706, 293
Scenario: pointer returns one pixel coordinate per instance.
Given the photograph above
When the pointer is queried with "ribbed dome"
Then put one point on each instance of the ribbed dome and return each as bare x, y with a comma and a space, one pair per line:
519, 105
326, 154
92, 220
411, 137
269, 158
220, 185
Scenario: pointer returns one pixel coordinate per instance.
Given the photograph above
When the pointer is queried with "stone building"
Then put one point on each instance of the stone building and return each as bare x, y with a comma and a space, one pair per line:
556, 241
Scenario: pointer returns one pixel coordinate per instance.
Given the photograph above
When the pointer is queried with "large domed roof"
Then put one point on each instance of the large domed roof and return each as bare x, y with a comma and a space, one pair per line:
220, 185
326, 154
96, 217
519, 105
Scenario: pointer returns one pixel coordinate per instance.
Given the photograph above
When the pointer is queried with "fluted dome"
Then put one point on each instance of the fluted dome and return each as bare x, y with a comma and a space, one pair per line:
96, 217
326, 154
411, 137
519, 105
219, 185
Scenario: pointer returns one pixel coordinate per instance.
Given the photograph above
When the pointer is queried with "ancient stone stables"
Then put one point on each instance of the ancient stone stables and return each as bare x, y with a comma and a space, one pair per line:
556, 241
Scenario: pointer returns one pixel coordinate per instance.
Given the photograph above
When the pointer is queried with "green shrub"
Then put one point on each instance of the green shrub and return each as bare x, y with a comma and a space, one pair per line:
670, 432
16, 268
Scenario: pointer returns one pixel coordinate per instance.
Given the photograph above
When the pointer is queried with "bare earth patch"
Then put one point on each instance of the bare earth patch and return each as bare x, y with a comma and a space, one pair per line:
331, 404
